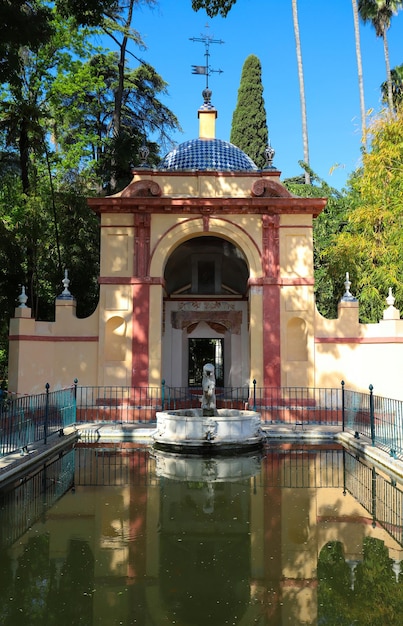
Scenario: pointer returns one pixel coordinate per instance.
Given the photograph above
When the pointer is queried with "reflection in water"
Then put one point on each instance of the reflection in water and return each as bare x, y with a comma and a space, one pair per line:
205, 538
298, 536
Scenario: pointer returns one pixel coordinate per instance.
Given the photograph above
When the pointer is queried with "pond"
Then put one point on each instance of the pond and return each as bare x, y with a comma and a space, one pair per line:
121, 535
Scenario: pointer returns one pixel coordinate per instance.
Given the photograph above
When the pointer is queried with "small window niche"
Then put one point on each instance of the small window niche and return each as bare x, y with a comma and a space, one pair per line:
206, 274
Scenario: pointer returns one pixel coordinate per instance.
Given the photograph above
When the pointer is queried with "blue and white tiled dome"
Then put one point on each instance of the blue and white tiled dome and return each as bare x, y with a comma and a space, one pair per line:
207, 154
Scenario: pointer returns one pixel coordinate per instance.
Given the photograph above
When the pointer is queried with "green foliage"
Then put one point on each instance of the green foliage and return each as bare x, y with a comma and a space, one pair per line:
88, 13
379, 13
375, 598
83, 110
369, 246
214, 7
23, 23
60, 143
27, 25
334, 588
329, 278
249, 125
396, 75
35, 596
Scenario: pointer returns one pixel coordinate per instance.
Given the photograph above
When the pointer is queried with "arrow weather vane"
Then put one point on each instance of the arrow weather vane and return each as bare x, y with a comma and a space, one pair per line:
205, 69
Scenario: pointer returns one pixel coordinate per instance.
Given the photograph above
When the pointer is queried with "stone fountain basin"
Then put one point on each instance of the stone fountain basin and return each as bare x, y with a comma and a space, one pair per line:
190, 430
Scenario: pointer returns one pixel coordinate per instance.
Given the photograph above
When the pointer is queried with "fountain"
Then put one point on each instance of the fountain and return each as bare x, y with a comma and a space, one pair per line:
208, 430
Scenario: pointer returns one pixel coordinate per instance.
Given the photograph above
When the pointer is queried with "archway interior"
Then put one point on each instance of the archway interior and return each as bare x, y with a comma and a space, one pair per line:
206, 266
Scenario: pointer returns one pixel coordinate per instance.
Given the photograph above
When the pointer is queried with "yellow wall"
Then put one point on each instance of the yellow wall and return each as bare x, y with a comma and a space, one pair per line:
98, 350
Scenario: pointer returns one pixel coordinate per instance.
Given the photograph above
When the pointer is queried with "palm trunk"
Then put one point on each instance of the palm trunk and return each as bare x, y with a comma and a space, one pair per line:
388, 74
360, 74
23, 146
301, 89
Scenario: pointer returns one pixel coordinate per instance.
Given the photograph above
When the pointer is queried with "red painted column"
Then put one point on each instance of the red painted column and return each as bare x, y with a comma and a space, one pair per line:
271, 302
142, 224
140, 334
141, 302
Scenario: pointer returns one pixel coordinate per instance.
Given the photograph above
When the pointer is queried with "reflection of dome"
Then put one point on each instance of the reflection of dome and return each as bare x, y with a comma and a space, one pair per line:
207, 154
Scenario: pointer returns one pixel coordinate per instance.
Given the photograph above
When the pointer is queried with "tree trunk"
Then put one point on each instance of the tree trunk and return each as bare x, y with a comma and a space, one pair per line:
301, 89
360, 74
23, 147
388, 74
117, 112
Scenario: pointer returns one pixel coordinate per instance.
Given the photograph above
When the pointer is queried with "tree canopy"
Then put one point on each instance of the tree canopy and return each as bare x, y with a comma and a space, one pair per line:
214, 7
73, 116
249, 125
369, 245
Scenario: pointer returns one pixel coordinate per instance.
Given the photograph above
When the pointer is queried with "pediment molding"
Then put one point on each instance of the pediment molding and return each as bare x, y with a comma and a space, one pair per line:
143, 189
265, 188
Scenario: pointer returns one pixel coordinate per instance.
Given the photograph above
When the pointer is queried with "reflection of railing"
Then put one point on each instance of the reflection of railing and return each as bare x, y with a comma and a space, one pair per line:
26, 502
113, 465
380, 497
29, 419
303, 467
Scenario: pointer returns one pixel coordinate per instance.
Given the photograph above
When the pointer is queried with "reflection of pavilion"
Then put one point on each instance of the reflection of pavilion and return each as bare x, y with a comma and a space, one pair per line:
204, 564
205, 541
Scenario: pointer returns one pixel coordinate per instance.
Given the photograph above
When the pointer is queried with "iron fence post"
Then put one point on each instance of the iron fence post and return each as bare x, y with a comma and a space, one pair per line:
254, 394
45, 424
162, 394
75, 400
371, 413
342, 406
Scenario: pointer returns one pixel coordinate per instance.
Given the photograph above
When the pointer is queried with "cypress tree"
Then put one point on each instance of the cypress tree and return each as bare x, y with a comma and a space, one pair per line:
249, 126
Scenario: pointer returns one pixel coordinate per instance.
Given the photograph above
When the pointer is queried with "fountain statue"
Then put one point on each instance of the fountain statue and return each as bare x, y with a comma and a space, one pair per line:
208, 430
208, 385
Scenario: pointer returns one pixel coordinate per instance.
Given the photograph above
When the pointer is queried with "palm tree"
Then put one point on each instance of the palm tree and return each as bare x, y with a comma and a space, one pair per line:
396, 75
379, 14
301, 89
359, 69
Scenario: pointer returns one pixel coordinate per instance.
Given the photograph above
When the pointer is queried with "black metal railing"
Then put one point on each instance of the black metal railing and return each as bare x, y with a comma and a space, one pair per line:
291, 405
29, 419
375, 417
118, 404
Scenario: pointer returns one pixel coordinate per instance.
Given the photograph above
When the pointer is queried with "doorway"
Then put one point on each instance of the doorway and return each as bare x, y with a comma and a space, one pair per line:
200, 352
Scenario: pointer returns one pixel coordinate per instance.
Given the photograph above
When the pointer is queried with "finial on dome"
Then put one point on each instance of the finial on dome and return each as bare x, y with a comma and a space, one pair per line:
143, 154
207, 93
269, 154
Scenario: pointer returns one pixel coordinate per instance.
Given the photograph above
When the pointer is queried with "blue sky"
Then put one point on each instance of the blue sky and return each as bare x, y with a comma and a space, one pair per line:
265, 28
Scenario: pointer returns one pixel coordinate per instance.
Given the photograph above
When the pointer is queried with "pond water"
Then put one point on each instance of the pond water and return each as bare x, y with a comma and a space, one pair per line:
121, 535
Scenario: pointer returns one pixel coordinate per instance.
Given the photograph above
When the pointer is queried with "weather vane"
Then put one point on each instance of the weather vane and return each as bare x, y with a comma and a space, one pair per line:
205, 69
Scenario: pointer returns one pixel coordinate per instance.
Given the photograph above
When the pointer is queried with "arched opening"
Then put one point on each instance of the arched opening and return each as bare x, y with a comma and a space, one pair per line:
206, 266
205, 316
